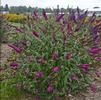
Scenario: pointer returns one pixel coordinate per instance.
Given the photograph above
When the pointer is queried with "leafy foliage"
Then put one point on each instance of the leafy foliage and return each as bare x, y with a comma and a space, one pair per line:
53, 53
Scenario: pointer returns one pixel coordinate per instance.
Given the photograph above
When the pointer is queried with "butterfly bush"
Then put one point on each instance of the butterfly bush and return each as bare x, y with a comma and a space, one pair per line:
55, 54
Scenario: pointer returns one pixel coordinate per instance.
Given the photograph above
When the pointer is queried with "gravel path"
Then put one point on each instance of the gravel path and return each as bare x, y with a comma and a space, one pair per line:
5, 52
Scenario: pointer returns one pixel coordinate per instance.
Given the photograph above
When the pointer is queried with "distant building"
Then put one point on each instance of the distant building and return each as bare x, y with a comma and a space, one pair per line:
4, 12
98, 13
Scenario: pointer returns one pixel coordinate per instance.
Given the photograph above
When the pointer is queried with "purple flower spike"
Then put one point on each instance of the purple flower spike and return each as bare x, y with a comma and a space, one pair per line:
50, 89
81, 16
56, 69
97, 73
35, 14
44, 15
98, 25
69, 28
93, 88
58, 18
1, 69
95, 50
55, 56
98, 58
94, 32
92, 20
39, 74
68, 56
18, 50
14, 65
94, 14
40, 60
63, 28
36, 34
24, 43
19, 30
93, 17
73, 17
84, 67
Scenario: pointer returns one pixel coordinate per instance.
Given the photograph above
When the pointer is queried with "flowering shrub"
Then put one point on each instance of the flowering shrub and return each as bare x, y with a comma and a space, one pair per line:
14, 17
56, 54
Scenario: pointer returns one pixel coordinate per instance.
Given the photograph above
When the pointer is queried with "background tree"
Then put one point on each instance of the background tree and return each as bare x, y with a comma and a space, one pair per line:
6, 7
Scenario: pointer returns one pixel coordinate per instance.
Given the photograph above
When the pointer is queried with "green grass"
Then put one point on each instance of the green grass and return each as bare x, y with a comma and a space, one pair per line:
7, 89
10, 93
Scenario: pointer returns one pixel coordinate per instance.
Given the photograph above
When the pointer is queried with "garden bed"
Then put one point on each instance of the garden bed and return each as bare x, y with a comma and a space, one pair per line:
52, 58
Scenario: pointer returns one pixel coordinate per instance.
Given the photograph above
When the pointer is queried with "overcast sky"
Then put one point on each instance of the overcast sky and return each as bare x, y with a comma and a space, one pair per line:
83, 4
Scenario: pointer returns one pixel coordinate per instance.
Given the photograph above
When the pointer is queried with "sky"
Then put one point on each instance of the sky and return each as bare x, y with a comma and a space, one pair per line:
83, 4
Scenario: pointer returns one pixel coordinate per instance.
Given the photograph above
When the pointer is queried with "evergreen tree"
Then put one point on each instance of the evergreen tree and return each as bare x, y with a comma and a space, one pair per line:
6, 7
